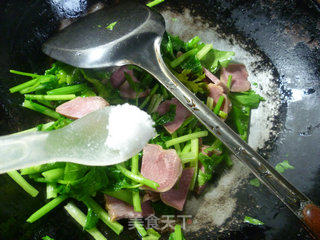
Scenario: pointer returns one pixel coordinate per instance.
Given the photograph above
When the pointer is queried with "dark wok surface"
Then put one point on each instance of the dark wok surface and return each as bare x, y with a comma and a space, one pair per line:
285, 33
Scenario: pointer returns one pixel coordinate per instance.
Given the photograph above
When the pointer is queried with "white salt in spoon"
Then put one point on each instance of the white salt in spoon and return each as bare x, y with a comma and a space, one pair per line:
85, 141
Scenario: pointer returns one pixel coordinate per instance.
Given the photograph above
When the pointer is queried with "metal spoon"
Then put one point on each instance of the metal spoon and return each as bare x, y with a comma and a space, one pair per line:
83, 141
136, 40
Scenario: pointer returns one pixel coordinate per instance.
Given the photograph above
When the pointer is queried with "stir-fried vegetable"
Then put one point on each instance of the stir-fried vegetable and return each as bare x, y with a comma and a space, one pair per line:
195, 146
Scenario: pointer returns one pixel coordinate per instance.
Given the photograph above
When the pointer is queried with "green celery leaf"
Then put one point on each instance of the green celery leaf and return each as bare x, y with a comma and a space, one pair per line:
117, 180
152, 235
111, 25
95, 180
255, 182
47, 238
240, 118
91, 219
195, 87
161, 139
215, 59
253, 221
248, 99
177, 234
281, 167
209, 163
73, 171
193, 64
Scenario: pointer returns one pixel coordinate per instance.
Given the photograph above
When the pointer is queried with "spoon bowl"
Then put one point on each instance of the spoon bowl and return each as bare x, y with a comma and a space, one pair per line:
84, 141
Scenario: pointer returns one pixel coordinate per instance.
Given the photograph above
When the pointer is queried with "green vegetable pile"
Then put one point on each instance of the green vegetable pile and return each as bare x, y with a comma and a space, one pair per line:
67, 181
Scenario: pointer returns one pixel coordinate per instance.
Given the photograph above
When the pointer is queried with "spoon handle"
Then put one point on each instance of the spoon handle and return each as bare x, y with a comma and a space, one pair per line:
151, 61
22, 150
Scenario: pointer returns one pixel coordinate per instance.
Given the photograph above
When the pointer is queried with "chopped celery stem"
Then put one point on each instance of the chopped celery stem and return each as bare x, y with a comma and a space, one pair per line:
135, 194
204, 51
194, 163
41, 168
185, 138
147, 99
50, 97
41, 109
154, 3
175, 63
140, 228
99, 86
193, 42
229, 81
46, 208
23, 86
210, 103
33, 88
103, 215
187, 157
176, 146
136, 201
51, 190
68, 90
186, 148
218, 105
45, 103
154, 103
80, 217
177, 232
23, 183
187, 121
24, 73
137, 178
223, 115
53, 174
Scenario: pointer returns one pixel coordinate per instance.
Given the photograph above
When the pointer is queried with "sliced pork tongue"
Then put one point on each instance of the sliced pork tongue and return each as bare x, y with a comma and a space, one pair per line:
81, 106
181, 114
162, 166
118, 80
176, 196
118, 209
215, 91
239, 75
215, 80
118, 77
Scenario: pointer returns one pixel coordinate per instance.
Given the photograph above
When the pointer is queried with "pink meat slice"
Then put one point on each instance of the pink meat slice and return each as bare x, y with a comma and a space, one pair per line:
215, 80
81, 106
215, 92
239, 75
181, 114
118, 77
176, 196
118, 80
162, 166
118, 209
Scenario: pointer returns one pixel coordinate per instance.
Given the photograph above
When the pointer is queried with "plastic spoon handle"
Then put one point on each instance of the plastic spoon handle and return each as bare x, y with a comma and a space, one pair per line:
151, 60
23, 150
